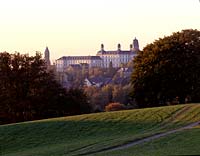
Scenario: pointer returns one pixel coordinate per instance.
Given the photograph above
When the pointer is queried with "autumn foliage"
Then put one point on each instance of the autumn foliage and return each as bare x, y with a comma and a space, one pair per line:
29, 92
167, 70
114, 107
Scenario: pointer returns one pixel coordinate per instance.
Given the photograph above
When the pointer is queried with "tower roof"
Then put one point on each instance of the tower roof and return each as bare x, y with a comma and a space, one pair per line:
47, 57
46, 50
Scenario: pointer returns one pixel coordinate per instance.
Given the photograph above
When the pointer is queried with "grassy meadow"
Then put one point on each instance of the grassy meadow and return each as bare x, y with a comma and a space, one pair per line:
181, 143
90, 133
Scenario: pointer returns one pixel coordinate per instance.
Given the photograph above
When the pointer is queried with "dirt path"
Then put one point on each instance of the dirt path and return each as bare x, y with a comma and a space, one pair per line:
143, 140
156, 136
175, 116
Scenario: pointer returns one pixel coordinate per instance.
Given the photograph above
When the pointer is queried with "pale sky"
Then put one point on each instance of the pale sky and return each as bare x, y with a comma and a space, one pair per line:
78, 27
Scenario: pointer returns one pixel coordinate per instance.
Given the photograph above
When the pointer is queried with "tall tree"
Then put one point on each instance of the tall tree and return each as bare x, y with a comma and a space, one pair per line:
167, 70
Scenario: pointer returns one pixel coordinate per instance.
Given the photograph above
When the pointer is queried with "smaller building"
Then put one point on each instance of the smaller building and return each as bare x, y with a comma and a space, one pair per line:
65, 61
125, 72
97, 81
74, 67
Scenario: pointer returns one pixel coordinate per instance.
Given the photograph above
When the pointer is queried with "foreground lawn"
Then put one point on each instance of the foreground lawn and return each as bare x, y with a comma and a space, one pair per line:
89, 133
186, 142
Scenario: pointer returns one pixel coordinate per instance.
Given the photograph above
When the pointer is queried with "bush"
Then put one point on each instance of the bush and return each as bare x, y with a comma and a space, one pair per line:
115, 107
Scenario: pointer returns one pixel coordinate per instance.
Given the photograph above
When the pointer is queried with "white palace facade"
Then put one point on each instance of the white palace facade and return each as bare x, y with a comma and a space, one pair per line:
102, 58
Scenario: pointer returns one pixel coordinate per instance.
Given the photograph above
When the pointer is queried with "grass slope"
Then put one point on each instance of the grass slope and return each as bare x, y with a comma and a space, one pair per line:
88, 133
181, 143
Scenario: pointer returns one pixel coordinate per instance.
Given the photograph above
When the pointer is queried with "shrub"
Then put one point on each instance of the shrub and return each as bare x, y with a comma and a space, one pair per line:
115, 107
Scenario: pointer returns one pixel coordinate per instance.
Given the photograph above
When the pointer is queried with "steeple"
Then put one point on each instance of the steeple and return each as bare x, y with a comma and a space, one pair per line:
136, 44
47, 57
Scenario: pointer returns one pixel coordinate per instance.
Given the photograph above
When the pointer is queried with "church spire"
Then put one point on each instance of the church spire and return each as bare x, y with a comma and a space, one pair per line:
47, 57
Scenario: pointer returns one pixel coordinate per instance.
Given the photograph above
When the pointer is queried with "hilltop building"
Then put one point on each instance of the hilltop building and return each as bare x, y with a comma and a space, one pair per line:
102, 58
117, 57
65, 61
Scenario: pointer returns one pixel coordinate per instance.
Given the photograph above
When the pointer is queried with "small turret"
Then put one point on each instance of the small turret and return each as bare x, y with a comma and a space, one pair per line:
119, 47
131, 47
102, 47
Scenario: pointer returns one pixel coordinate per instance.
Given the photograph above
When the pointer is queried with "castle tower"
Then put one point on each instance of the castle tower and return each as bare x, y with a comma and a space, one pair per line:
119, 47
131, 47
102, 47
136, 44
47, 57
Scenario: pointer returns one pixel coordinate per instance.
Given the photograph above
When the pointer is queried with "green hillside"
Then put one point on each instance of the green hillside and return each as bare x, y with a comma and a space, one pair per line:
182, 143
95, 132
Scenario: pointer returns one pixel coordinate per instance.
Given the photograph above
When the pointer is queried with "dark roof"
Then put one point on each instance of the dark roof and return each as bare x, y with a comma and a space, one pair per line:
75, 65
96, 79
117, 52
121, 81
80, 58
100, 79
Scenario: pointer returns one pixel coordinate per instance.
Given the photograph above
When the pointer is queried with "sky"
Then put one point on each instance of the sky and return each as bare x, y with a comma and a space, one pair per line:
78, 27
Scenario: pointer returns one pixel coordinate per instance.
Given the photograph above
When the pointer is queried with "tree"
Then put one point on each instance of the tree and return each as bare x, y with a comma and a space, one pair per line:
167, 70
96, 71
107, 96
28, 91
118, 94
78, 102
94, 95
111, 71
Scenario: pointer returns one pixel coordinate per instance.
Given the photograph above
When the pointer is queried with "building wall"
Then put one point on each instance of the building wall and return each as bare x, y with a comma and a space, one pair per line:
64, 62
102, 59
116, 59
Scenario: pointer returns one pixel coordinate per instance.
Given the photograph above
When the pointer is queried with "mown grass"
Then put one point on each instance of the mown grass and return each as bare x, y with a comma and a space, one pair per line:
186, 142
89, 133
